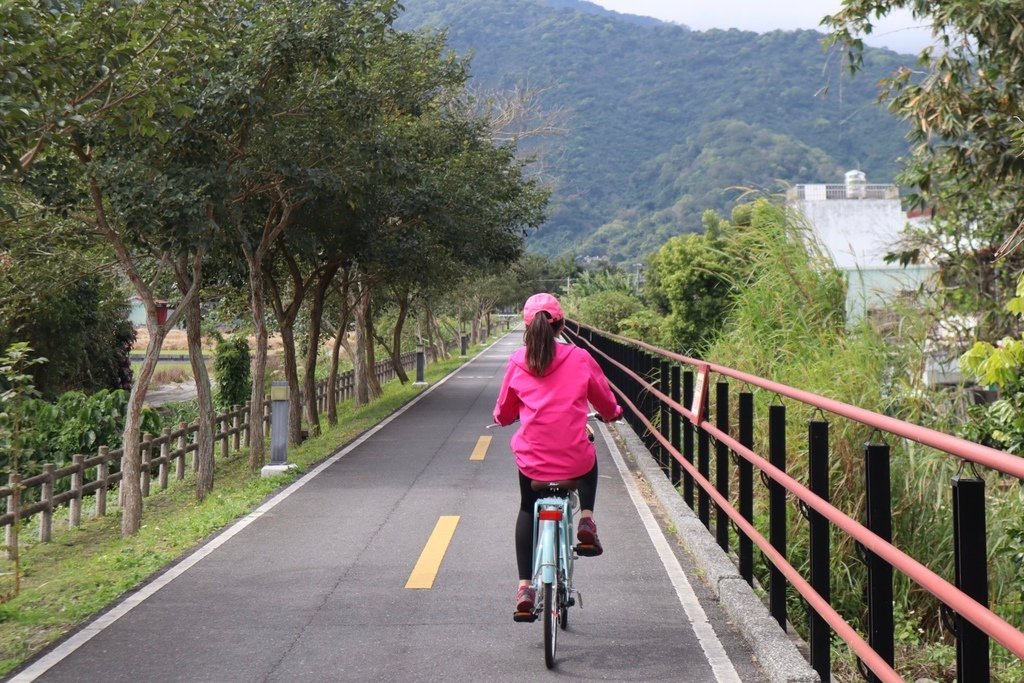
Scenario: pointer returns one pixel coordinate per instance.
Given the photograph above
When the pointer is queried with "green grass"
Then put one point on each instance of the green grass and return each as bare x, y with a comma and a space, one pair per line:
84, 570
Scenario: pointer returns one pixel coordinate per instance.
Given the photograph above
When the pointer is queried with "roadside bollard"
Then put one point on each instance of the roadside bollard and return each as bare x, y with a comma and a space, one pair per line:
421, 361
278, 431
465, 344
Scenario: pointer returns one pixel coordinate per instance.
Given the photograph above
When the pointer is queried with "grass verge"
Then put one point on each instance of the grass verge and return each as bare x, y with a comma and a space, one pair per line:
82, 571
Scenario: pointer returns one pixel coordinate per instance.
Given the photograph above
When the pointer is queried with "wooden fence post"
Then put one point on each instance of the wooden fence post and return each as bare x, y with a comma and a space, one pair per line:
236, 426
14, 507
245, 423
165, 456
195, 453
46, 517
179, 465
77, 479
144, 471
223, 422
102, 474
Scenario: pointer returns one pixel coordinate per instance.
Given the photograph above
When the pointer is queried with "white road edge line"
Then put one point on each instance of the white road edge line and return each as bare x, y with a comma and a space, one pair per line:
95, 627
720, 663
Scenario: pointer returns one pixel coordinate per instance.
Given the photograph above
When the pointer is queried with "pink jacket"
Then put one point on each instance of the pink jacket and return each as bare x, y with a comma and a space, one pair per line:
551, 443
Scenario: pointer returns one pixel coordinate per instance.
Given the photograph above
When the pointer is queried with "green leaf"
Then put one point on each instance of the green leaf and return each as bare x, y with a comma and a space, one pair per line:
183, 110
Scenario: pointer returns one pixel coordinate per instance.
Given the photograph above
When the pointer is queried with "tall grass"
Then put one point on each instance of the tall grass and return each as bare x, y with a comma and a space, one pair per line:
788, 324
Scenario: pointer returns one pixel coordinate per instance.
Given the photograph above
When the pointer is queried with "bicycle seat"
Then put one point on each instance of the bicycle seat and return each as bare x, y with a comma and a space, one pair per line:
564, 485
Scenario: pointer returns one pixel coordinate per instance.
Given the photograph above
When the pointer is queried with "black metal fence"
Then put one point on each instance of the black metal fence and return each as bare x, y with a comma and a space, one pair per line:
668, 399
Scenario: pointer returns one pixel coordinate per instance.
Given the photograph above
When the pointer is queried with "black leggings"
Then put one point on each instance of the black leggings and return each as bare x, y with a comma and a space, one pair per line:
587, 491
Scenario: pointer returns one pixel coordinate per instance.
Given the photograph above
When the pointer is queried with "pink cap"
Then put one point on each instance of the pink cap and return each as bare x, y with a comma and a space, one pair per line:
542, 302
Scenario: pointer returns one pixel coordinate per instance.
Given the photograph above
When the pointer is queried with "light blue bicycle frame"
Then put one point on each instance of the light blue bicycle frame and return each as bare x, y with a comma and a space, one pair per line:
546, 533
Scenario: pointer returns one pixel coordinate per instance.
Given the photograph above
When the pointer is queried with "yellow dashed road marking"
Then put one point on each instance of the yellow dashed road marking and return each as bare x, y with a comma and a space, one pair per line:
480, 452
425, 571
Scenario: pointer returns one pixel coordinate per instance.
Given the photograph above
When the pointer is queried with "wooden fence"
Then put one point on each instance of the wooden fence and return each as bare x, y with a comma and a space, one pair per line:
160, 455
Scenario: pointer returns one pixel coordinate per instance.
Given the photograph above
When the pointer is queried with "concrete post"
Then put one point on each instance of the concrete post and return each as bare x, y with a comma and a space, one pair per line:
421, 362
279, 403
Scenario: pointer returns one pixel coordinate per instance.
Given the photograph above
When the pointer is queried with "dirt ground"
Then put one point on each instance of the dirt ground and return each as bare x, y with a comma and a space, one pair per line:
176, 339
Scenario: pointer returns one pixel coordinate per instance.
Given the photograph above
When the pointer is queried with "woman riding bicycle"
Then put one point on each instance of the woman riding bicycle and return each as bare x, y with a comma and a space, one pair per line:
547, 386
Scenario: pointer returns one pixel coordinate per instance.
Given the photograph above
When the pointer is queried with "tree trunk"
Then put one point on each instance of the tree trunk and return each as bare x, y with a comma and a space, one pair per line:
332, 377
339, 341
204, 399
257, 442
286, 317
291, 375
396, 337
359, 355
277, 221
131, 458
316, 314
130, 491
371, 354
428, 322
442, 347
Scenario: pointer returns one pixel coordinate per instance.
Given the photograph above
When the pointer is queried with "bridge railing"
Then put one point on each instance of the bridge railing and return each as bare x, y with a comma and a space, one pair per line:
667, 398
41, 495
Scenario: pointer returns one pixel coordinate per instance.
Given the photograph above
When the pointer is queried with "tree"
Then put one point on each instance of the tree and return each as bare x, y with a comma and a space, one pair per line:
93, 90
963, 103
58, 293
689, 281
300, 71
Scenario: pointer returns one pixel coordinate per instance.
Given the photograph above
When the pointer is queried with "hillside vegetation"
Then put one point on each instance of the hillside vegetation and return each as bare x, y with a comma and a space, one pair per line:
658, 119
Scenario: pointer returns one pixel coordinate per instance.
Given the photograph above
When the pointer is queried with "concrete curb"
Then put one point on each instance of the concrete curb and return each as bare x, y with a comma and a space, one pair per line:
776, 653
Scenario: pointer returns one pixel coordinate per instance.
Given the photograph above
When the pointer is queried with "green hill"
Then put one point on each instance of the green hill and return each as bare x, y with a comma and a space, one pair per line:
660, 119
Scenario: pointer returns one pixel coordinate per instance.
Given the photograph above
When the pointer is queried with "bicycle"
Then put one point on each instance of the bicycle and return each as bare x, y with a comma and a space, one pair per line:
553, 559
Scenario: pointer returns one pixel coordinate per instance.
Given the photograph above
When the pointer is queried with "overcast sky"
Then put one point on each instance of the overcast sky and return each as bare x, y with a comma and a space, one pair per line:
898, 32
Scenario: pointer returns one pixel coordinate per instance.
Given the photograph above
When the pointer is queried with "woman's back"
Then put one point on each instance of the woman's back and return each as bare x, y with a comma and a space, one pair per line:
552, 442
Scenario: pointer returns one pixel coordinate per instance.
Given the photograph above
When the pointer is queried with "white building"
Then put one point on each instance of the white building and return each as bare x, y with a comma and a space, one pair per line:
858, 224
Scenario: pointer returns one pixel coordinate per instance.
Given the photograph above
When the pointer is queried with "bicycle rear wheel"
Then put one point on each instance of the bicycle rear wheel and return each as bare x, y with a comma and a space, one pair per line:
550, 609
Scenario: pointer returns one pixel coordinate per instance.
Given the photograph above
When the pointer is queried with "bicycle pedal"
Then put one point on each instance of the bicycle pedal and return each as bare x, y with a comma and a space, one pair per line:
588, 550
524, 617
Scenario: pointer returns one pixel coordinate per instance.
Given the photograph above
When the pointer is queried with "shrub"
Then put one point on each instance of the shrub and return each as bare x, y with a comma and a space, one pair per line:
231, 368
607, 309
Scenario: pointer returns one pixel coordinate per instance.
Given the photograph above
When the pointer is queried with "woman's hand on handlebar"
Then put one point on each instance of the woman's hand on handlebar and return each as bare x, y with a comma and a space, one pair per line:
597, 416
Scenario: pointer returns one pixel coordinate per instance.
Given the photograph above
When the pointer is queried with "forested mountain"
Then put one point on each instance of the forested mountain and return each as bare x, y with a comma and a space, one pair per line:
659, 119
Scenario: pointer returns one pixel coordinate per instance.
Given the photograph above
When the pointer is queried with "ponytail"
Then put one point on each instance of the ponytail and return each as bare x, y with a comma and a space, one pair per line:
540, 342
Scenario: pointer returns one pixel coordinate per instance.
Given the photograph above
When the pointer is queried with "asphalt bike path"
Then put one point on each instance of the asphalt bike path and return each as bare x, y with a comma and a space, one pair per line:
395, 562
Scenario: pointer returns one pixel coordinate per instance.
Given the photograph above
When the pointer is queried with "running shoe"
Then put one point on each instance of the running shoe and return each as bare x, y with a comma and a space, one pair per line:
586, 534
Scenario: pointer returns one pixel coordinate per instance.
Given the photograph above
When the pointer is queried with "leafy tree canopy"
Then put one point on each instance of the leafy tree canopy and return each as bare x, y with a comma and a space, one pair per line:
962, 102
